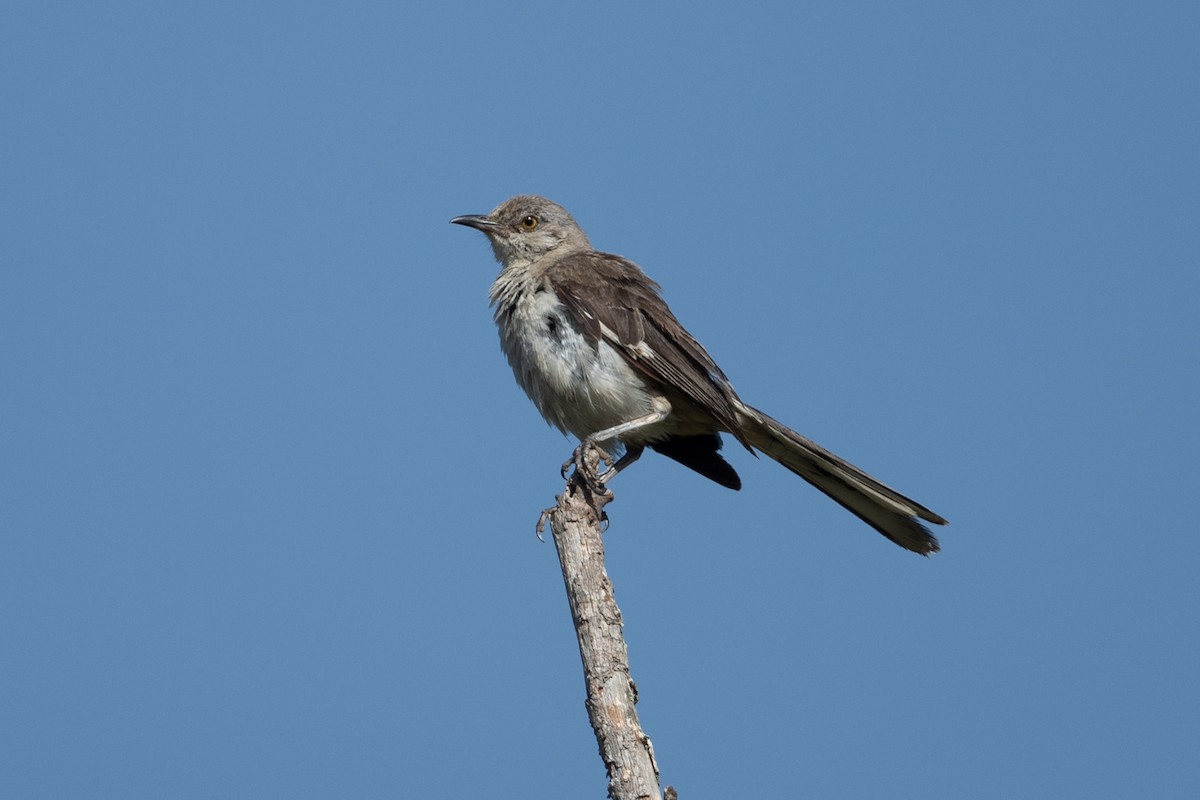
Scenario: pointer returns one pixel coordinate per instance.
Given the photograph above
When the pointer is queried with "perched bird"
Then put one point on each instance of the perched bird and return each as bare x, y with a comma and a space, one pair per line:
600, 354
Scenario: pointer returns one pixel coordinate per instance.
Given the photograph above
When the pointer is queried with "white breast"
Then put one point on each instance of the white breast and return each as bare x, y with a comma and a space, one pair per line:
578, 387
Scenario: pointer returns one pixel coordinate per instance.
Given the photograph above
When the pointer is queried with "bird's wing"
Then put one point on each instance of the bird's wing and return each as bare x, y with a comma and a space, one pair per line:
612, 300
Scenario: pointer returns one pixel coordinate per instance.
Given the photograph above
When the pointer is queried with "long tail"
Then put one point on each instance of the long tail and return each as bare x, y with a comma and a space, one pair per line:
880, 506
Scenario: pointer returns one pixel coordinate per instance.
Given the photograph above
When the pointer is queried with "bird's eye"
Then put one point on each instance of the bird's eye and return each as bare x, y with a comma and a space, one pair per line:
529, 223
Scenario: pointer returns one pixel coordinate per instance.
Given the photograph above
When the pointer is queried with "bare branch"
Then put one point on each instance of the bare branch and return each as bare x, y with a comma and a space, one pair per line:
576, 522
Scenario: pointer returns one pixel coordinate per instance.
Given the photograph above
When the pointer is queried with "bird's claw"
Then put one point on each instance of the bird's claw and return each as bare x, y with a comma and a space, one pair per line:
540, 528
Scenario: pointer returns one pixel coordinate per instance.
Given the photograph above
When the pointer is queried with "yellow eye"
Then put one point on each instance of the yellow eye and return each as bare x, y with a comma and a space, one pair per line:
529, 223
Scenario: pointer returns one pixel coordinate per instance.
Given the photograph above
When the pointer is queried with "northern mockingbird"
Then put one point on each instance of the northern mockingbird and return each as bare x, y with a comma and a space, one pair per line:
596, 348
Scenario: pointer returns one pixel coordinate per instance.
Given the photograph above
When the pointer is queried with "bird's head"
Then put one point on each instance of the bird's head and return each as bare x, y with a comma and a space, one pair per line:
525, 228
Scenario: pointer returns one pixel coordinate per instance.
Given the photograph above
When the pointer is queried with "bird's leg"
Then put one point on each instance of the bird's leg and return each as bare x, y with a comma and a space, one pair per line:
659, 411
632, 453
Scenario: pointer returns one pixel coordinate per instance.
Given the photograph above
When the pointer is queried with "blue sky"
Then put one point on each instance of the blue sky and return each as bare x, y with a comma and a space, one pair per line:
269, 487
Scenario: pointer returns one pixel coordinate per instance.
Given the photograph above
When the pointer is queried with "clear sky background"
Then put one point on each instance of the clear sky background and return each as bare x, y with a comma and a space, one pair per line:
269, 489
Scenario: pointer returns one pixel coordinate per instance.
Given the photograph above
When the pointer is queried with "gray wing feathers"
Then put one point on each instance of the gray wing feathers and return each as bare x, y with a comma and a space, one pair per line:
618, 302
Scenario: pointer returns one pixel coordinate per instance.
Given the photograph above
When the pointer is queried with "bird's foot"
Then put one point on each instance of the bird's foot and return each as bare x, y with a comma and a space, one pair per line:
586, 460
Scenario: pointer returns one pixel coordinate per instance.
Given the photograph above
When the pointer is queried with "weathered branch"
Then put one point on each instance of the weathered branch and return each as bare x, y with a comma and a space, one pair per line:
576, 522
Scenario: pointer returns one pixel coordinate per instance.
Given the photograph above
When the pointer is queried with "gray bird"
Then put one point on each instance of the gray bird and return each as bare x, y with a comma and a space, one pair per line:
600, 354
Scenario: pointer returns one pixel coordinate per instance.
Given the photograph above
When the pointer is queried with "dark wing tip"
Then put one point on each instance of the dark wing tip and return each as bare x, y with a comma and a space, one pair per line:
699, 453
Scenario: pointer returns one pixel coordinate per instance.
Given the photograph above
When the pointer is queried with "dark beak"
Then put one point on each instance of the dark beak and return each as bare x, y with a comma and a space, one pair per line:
476, 221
